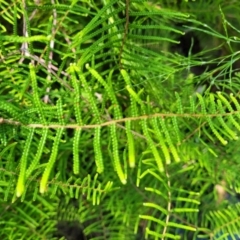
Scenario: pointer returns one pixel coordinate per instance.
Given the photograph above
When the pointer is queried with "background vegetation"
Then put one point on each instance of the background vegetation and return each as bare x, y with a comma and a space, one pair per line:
119, 119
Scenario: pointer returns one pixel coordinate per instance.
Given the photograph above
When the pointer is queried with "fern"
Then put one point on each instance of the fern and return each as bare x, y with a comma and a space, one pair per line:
103, 126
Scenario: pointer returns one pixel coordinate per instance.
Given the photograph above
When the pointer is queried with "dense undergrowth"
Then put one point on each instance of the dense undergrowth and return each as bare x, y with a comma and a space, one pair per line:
119, 119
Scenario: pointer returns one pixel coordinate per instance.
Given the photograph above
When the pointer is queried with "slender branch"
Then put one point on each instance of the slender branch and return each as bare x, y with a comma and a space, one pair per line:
115, 121
51, 68
168, 206
51, 45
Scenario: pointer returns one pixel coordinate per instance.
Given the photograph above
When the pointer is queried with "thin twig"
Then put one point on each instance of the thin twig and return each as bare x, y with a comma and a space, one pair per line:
168, 206
115, 121
51, 67
50, 58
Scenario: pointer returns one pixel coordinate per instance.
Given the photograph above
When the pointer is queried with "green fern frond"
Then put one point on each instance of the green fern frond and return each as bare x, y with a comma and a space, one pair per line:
52, 159
93, 92
23, 164
225, 221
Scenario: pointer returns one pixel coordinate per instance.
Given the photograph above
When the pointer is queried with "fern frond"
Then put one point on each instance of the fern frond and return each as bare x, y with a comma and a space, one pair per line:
116, 160
23, 164
225, 221
52, 159
93, 92
160, 221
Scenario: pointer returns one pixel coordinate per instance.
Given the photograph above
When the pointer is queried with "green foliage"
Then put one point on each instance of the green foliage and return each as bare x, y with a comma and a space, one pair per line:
103, 125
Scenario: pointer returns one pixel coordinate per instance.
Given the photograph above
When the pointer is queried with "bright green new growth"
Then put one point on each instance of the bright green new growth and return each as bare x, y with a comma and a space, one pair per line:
102, 122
